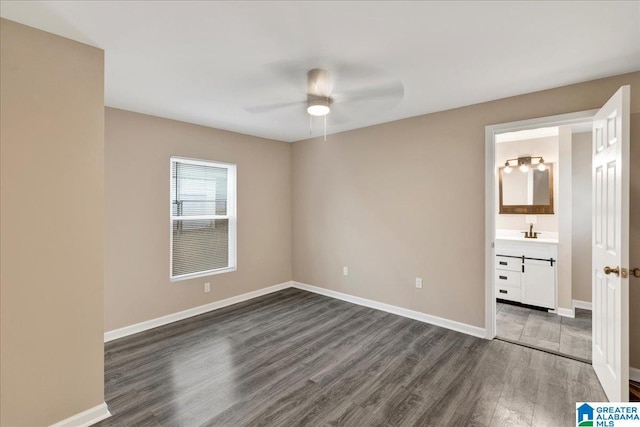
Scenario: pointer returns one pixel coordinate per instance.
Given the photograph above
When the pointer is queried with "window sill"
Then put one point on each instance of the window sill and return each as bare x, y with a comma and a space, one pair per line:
202, 274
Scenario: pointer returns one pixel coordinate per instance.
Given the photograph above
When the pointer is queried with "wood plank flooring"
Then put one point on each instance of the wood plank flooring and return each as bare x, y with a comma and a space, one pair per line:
294, 358
570, 336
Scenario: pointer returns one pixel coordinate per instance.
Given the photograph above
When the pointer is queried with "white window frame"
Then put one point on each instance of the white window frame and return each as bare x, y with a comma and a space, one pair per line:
230, 216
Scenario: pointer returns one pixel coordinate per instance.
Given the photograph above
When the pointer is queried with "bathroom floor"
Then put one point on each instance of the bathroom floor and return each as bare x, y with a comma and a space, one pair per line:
546, 330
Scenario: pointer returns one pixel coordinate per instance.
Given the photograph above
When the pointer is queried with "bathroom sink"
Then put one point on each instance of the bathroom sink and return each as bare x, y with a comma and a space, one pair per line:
518, 236
523, 239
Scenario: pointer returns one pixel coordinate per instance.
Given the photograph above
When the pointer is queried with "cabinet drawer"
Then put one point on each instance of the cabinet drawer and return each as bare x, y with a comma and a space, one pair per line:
509, 279
508, 293
506, 263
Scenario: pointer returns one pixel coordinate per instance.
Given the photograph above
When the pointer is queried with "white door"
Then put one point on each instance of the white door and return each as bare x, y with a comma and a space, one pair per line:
610, 230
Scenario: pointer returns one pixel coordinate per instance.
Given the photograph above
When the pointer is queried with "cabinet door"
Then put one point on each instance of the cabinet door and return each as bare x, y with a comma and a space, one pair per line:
539, 283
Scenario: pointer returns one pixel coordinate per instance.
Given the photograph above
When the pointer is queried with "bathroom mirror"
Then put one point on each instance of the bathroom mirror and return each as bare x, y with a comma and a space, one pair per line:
528, 192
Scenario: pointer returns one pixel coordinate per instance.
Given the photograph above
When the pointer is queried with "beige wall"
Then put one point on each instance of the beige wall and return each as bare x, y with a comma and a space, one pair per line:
547, 148
405, 199
634, 235
52, 146
563, 204
137, 152
581, 216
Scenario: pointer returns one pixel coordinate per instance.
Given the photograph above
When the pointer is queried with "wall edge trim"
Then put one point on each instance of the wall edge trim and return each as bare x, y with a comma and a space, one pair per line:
404, 312
190, 312
85, 418
566, 312
586, 305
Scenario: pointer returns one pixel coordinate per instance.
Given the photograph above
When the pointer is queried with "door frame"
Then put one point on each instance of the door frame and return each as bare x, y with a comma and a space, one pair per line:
490, 195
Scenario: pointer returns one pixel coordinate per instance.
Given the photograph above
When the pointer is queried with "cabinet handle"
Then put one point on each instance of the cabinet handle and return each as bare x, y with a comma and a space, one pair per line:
502, 291
503, 262
503, 277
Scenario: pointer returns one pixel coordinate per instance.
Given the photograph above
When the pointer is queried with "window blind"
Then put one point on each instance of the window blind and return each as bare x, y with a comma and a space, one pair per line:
201, 217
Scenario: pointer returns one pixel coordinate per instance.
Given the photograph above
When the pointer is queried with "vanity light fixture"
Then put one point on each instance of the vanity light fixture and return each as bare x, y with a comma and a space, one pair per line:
524, 163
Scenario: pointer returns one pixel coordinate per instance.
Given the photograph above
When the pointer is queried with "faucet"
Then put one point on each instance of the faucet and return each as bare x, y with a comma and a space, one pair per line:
531, 234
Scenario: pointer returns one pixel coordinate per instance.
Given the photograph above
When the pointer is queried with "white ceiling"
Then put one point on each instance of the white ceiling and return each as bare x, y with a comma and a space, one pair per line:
204, 62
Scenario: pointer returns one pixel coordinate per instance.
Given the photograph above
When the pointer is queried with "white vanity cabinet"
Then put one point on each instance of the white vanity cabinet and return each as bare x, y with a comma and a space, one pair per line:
525, 272
508, 278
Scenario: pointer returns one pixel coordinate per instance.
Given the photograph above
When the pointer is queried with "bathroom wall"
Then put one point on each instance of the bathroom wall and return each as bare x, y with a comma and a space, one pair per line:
575, 283
564, 209
581, 216
547, 148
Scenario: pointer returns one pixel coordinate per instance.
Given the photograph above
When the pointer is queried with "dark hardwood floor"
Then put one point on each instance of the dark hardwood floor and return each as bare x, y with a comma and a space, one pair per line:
295, 358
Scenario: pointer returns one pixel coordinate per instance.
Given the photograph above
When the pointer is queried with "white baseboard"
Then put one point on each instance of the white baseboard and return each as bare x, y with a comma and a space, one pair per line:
181, 315
404, 312
581, 304
566, 312
101, 412
170, 318
85, 418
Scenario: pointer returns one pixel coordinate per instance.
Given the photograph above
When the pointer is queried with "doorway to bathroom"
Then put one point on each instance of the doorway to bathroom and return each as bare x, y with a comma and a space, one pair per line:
542, 238
538, 275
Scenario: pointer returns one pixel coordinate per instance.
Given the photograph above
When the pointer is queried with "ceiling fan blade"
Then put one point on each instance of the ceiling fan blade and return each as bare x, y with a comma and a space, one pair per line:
393, 90
292, 73
341, 114
259, 109
337, 118
351, 73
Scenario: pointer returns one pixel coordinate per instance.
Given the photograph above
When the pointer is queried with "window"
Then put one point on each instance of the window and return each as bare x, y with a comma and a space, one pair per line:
203, 218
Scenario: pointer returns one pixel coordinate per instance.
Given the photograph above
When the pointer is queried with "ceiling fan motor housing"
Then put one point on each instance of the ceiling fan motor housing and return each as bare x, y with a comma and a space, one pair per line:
318, 83
317, 106
318, 90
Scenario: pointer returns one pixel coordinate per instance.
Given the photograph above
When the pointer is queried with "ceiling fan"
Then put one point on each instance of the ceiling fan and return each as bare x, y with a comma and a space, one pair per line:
344, 95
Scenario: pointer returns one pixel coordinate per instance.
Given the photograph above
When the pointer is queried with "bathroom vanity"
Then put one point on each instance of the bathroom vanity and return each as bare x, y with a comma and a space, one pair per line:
526, 270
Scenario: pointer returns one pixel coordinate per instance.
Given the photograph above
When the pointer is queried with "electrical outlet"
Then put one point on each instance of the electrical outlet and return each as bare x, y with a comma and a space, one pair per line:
345, 271
207, 287
419, 282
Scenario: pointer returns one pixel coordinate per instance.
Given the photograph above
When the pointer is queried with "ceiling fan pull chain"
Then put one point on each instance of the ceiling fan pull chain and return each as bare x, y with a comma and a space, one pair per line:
325, 127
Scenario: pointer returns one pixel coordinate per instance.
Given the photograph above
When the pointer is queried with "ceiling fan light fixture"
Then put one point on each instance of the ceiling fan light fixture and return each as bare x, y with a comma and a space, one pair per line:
318, 107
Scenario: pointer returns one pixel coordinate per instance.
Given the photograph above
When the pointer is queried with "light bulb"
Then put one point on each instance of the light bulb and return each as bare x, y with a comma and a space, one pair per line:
318, 110
541, 167
318, 107
524, 168
507, 169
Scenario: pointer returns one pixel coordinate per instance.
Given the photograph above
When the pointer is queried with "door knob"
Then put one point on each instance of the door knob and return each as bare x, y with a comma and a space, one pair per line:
609, 270
635, 272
